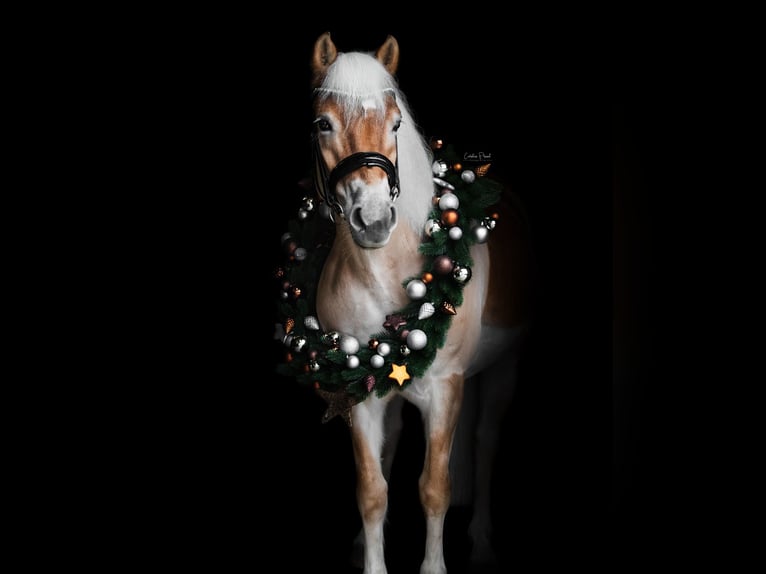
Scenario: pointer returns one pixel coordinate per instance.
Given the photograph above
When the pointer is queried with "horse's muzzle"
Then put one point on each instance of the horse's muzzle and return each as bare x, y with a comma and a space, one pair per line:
372, 228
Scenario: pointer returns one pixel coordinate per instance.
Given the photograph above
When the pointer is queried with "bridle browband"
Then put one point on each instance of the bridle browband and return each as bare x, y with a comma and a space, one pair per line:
326, 182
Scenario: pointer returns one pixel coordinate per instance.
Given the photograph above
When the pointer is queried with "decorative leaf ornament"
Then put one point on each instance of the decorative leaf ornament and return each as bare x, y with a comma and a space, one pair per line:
409, 338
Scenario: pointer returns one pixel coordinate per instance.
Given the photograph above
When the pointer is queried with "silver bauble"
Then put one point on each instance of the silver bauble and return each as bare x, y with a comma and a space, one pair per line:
417, 339
449, 201
377, 361
331, 338
443, 184
432, 226
461, 273
480, 233
383, 349
468, 176
416, 289
455, 233
349, 344
352, 361
439, 168
300, 253
299, 342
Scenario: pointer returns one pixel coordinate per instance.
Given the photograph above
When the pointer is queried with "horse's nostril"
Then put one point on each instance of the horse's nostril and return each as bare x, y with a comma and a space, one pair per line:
356, 219
393, 216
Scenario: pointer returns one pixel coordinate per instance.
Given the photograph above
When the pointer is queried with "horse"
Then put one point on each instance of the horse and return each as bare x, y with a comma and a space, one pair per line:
403, 238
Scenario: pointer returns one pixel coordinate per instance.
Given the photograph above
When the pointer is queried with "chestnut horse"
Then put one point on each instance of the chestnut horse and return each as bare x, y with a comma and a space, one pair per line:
378, 181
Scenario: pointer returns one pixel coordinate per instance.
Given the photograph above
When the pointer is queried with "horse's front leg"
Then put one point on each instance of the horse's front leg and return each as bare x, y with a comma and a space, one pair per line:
372, 488
440, 417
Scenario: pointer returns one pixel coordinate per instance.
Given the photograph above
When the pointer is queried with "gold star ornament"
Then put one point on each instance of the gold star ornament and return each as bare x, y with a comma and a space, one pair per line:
399, 373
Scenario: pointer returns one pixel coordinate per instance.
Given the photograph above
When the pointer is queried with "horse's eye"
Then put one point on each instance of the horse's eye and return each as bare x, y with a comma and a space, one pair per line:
397, 125
323, 125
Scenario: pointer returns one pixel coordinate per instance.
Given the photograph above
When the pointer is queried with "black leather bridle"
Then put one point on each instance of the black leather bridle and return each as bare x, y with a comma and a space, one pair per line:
326, 181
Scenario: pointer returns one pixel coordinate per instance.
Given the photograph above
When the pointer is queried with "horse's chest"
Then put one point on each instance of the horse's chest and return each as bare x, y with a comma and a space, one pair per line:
356, 310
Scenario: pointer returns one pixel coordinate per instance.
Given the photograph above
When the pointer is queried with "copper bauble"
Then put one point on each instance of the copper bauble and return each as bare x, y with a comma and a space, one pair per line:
449, 217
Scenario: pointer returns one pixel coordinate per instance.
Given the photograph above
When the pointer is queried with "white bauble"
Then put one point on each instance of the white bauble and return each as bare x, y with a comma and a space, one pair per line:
417, 339
349, 344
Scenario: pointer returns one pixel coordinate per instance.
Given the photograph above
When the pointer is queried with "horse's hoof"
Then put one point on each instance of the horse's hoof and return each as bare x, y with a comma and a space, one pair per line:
482, 560
483, 568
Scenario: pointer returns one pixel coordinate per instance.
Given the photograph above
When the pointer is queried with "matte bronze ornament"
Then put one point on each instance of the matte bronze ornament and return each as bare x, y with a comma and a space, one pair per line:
443, 265
338, 403
393, 322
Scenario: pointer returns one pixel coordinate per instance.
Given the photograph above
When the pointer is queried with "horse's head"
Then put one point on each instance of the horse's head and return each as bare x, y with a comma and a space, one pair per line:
355, 134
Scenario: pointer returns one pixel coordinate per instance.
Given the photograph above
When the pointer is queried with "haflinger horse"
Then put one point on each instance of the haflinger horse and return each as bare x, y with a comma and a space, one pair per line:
378, 182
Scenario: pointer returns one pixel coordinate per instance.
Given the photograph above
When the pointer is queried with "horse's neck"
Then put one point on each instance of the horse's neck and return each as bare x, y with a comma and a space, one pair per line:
358, 287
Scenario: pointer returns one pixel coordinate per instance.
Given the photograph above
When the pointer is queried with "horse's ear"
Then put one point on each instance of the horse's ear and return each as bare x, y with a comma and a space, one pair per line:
388, 54
325, 53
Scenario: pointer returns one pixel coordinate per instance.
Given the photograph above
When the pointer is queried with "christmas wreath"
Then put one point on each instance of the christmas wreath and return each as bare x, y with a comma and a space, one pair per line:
343, 370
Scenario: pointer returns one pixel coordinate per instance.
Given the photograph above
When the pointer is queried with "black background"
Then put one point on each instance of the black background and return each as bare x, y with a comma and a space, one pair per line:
243, 469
